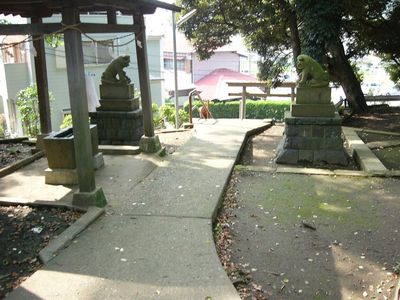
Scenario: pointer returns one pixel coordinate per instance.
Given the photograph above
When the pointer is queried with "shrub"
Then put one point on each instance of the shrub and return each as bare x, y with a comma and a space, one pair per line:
27, 103
67, 122
166, 113
255, 109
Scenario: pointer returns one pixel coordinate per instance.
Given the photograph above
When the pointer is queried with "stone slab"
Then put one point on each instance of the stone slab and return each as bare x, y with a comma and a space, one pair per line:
118, 104
119, 149
294, 120
363, 155
182, 188
61, 176
135, 258
313, 95
136, 114
116, 91
313, 110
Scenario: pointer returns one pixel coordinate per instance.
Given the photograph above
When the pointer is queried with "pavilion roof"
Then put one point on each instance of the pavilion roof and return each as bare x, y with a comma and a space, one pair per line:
46, 8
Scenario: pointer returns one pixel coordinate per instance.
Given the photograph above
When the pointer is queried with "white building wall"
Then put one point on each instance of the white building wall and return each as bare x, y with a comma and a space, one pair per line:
227, 60
57, 73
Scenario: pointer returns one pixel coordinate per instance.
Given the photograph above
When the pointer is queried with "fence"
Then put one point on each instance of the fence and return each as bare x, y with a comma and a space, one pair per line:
244, 94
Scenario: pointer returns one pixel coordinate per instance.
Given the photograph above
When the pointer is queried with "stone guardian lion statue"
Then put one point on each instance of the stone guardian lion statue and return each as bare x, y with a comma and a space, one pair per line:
114, 69
311, 73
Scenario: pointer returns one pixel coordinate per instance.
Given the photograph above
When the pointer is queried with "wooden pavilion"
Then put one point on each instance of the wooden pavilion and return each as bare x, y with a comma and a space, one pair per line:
72, 29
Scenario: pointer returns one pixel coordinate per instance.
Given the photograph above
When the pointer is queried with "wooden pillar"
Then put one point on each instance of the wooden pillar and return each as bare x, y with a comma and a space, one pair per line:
143, 66
41, 82
78, 101
111, 16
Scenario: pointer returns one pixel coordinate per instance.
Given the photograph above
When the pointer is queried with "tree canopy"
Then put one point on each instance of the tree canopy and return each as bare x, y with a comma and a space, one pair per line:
333, 32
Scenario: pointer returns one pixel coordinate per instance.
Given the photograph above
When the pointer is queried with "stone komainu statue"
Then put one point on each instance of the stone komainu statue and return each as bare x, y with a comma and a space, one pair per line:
312, 74
116, 68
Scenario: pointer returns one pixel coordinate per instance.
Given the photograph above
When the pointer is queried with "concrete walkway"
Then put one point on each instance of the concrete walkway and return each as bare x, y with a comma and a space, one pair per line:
155, 240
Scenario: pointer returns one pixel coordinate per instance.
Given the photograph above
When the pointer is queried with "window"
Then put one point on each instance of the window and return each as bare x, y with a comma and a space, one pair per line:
98, 52
14, 54
169, 64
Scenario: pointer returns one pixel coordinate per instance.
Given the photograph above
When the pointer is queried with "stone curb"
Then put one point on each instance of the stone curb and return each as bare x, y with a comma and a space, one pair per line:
66, 237
119, 150
248, 134
14, 140
312, 171
19, 164
362, 154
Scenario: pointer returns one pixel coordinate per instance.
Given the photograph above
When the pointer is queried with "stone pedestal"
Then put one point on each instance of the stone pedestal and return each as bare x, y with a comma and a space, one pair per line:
313, 102
118, 127
313, 132
119, 118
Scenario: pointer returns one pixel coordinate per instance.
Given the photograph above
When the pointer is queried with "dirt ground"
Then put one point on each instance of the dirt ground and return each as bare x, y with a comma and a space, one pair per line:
24, 231
290, 236
10, 153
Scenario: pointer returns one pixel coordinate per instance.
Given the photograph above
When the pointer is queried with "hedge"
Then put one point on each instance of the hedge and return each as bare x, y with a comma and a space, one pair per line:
260, 109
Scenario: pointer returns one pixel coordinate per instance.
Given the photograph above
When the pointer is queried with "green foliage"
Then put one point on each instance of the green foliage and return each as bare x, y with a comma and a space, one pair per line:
392, 66
396, 268
54, 40
262, 23
27, 103
67, 122
166, 113
2, 126
255, 109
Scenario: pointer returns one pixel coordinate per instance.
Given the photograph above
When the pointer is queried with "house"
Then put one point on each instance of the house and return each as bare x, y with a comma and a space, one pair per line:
214, 85
16, 70
234, 57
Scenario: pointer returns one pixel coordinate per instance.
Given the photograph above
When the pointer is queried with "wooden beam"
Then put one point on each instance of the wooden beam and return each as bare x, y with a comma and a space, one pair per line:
48, 28
42, 82
78, 101
144, 79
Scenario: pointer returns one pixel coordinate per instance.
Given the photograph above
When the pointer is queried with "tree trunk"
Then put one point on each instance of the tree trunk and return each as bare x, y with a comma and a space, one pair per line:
340, 69
294, 30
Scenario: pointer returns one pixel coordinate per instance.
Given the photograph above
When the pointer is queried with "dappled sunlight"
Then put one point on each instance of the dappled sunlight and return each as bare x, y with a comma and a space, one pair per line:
28, 185
99, 287
354, 268
333, 208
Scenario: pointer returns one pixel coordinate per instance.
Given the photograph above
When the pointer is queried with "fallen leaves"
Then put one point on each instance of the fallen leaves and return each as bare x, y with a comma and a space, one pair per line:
24, 231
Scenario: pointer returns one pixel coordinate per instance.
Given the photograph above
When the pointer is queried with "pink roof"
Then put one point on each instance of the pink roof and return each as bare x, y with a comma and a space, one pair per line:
214, 85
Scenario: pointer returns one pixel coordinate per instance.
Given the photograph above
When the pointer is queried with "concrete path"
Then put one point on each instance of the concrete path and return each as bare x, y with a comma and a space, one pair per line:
155, 240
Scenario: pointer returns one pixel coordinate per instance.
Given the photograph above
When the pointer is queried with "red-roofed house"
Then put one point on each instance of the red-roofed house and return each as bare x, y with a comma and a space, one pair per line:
214, 85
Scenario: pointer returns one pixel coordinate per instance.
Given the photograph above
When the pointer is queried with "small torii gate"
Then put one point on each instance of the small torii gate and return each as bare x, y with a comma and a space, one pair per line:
72, 29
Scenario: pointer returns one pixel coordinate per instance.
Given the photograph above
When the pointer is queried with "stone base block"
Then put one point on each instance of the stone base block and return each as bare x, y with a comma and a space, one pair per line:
70, 176
61, 176
40, 141
306, 95
313, 110
118, 104
98, 161
94, 198
116, 91
150, 144
118, 127
312, 140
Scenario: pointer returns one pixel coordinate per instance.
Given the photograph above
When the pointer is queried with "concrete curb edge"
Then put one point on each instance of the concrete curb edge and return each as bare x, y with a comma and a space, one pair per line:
66, 237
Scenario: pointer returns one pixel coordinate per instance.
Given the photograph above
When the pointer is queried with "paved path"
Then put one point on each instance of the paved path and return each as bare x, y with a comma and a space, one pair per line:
155, 240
